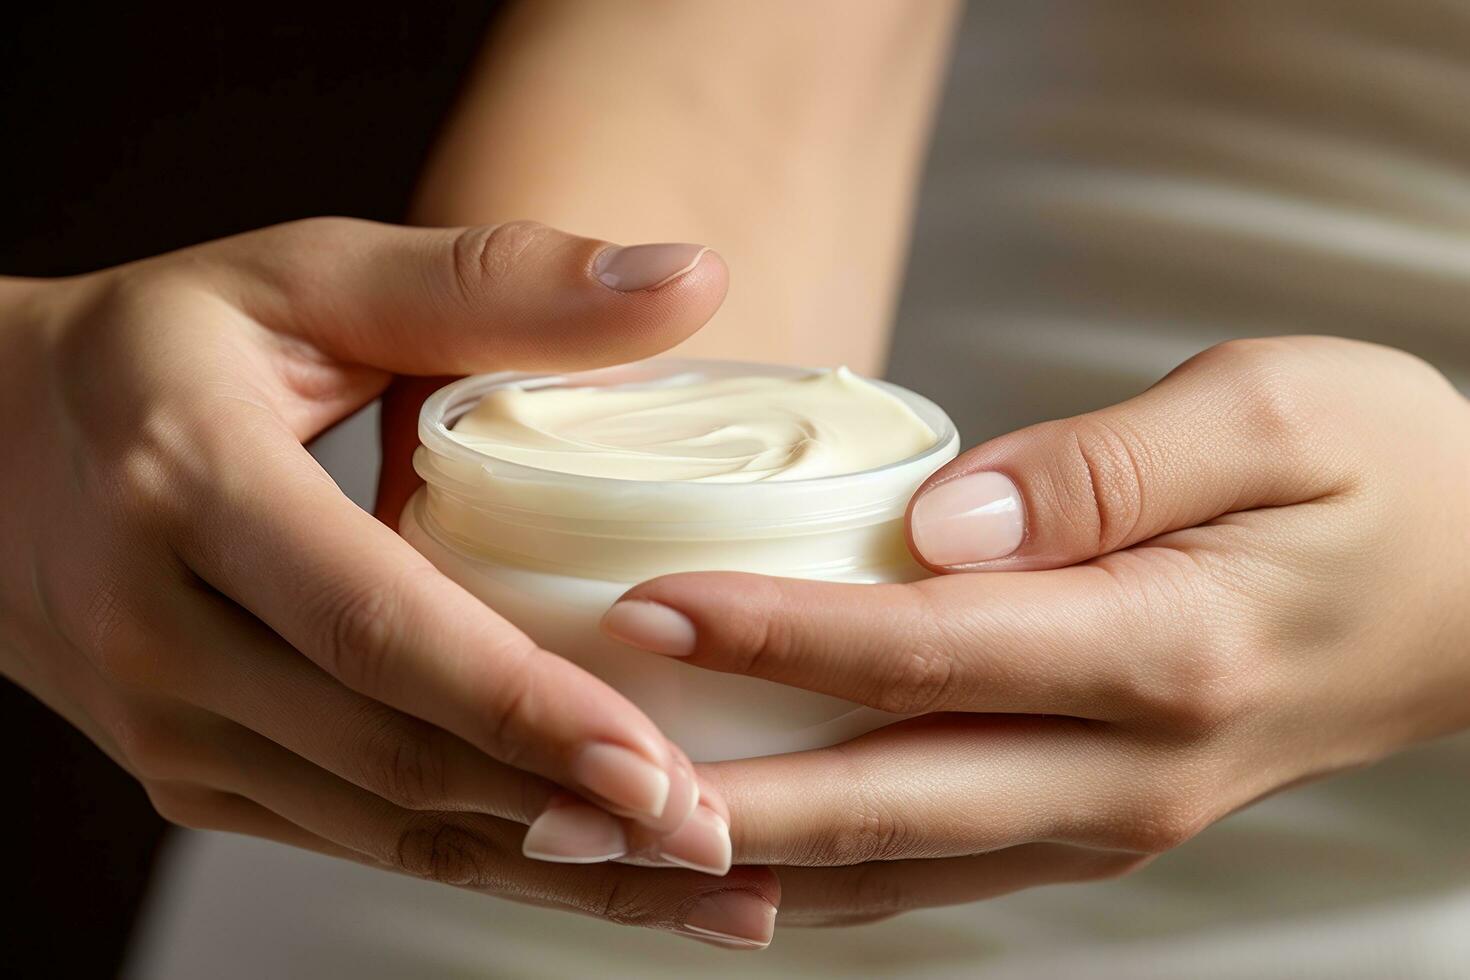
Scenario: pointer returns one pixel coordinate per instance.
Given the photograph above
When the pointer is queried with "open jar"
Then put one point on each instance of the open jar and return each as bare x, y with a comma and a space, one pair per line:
551, 551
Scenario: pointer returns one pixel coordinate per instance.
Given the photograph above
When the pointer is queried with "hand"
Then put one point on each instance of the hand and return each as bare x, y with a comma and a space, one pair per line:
184, 583
1144, 619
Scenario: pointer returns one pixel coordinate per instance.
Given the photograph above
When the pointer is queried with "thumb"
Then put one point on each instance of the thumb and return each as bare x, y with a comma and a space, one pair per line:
1232, 429
516, 296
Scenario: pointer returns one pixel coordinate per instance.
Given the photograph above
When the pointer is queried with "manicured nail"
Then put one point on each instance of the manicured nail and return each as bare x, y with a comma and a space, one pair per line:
575, 834
971, 518
623, 778
701, 844
733, 918
633, 267
650, 626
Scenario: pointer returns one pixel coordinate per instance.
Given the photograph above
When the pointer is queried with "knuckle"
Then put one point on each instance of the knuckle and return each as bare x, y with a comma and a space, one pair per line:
488, 254
1106, 490
139, 444
1280, 411
918, 679
406, 766
1203, 689
872, 828
357, 633
117, 631
517, 700
1279, 392
1250, 354
138, 289
758, 648
1169, 819
146, 478
623, 902
447, 852
758, 639
1207, 679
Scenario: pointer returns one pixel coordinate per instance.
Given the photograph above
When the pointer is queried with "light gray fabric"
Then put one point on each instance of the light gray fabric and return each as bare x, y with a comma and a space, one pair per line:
1115, 186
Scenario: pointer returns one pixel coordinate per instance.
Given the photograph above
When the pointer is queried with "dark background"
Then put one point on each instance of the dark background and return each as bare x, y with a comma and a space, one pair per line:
132, 129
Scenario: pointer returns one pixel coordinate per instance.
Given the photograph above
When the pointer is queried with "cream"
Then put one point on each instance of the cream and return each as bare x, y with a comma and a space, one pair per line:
548, 496
726, 430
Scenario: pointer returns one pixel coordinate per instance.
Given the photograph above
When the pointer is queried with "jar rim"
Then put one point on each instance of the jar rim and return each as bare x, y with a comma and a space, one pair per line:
507, 494
447, 405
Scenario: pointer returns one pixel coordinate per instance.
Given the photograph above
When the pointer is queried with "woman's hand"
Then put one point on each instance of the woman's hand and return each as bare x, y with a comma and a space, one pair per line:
183, 582
1253, 574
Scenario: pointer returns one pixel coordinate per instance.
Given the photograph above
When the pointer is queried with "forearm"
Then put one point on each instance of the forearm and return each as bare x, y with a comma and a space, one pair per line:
787, 136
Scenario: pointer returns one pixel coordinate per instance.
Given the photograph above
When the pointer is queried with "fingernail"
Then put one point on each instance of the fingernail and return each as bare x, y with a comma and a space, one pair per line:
971, 518
575, 834
633, 267
701, 844
650, 626
732, 918
623, 778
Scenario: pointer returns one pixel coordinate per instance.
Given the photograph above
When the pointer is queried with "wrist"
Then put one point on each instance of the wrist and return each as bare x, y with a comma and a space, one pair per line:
789, 140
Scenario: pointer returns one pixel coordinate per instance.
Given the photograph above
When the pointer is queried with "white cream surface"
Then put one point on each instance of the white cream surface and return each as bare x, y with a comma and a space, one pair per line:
691, 430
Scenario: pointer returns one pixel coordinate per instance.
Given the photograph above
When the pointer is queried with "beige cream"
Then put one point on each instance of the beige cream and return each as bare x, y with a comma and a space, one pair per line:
725, 430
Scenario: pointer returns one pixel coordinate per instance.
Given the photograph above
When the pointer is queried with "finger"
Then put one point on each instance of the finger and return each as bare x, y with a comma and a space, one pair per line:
702, 843
1241, 426
484, 854
569, 831
954, 785
199, 808
236, 668
518, 296
1082, 641
880, 889
280, 539
561, 833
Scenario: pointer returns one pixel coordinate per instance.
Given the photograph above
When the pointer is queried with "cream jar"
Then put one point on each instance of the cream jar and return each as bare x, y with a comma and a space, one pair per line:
551, 551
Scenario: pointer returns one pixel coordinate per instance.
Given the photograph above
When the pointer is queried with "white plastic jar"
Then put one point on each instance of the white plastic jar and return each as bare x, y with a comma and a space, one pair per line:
551, 551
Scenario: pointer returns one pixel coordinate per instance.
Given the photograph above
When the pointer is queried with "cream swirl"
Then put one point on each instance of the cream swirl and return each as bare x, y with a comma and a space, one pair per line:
692, 430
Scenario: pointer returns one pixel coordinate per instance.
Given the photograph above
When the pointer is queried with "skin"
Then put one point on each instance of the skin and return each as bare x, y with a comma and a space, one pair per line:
182, 582
1197, 617
787, 136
